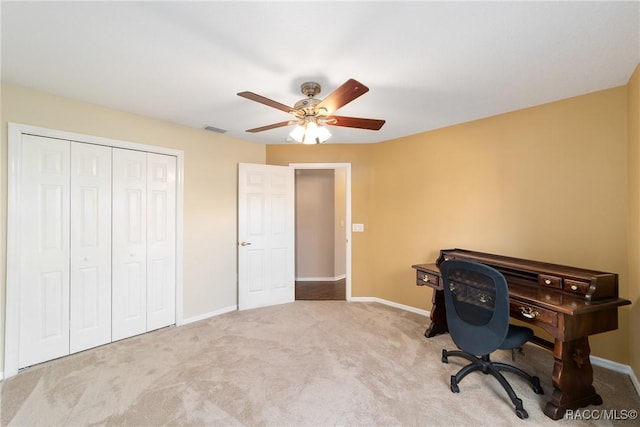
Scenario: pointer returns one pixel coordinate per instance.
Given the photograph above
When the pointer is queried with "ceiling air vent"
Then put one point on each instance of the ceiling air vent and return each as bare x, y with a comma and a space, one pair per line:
215, 129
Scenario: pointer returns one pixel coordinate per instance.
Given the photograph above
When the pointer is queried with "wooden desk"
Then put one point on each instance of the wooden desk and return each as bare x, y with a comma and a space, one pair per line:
569, 303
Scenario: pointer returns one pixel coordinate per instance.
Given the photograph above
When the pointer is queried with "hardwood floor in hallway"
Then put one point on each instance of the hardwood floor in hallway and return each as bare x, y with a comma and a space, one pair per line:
330, 290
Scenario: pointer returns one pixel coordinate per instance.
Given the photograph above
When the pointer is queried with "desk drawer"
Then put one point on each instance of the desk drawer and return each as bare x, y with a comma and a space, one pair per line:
532, 313
550, 281
428, 279
576, 286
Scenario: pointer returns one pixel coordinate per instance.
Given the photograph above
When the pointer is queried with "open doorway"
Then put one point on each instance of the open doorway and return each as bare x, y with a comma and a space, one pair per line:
322, 230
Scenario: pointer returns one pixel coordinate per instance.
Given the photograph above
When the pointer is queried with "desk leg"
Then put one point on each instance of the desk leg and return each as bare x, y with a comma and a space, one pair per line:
572, 378
438, 315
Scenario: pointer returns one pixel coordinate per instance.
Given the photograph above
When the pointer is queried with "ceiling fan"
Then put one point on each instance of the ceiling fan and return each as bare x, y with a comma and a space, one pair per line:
311, 114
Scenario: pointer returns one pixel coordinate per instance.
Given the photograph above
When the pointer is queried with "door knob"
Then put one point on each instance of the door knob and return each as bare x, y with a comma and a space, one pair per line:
245, 243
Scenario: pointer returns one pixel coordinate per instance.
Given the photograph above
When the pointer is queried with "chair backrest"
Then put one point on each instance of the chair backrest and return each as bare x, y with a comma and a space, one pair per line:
477, 304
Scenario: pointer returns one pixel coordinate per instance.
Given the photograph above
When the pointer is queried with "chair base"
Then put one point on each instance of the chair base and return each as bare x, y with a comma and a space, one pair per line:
486, 366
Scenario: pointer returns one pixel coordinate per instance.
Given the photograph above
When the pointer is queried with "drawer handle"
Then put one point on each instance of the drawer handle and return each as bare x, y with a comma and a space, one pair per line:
547, 281
528, 312
574, 287
425, 278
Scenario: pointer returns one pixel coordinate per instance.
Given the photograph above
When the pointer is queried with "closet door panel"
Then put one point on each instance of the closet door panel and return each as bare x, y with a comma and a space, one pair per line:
129, 255
44, 250
90, 246
161, 240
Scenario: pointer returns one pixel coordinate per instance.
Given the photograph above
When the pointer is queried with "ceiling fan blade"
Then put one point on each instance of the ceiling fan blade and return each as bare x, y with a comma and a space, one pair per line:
266, 101
273, 126
346, 93
355, 122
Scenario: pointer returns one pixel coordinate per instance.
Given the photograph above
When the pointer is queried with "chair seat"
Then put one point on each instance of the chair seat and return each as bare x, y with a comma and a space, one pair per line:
517, 336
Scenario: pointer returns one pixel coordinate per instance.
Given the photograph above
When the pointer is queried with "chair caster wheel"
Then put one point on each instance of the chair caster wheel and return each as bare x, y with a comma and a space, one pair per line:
445, 359
454, 385
522, 414
537, 388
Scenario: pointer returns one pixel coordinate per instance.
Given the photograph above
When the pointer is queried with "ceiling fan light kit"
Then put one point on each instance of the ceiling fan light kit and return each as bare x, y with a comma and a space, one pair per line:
310, 132
312, 114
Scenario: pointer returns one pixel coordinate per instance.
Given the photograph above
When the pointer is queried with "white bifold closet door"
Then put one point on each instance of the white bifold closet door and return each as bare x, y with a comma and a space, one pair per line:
90, 298
144, 200
97, 247
65, 291
161, 241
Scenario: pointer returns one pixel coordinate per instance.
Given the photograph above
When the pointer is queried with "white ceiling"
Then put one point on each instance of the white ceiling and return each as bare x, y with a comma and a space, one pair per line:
427, 64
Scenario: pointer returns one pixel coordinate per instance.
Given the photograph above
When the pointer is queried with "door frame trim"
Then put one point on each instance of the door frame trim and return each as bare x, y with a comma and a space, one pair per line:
12, 289
347, 167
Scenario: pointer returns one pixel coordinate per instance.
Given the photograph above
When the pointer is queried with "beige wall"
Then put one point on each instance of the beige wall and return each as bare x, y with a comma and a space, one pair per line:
546, 183
314, 223
321, 248
210, 186
633, 99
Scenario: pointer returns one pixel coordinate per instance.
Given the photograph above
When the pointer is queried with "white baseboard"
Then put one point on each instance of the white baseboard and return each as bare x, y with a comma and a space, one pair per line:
1, 375
610, 364
595, 360
209, 314
392, 304
320, 279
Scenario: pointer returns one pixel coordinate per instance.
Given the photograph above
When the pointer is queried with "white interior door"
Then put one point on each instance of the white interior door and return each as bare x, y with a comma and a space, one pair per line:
161, 241
90, 315
266, 255
44, 250
129, 251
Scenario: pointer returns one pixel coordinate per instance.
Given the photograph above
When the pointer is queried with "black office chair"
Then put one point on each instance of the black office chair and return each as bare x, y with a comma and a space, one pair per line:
477, 305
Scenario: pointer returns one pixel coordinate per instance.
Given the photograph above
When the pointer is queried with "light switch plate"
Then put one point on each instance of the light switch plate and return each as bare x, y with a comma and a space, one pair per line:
357, 228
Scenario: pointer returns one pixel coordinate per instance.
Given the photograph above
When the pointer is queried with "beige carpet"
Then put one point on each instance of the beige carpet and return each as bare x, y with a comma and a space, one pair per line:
308, 363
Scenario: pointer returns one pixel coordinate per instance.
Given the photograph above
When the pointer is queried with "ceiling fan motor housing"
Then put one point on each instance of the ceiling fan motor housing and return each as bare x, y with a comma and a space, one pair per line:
307, 107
